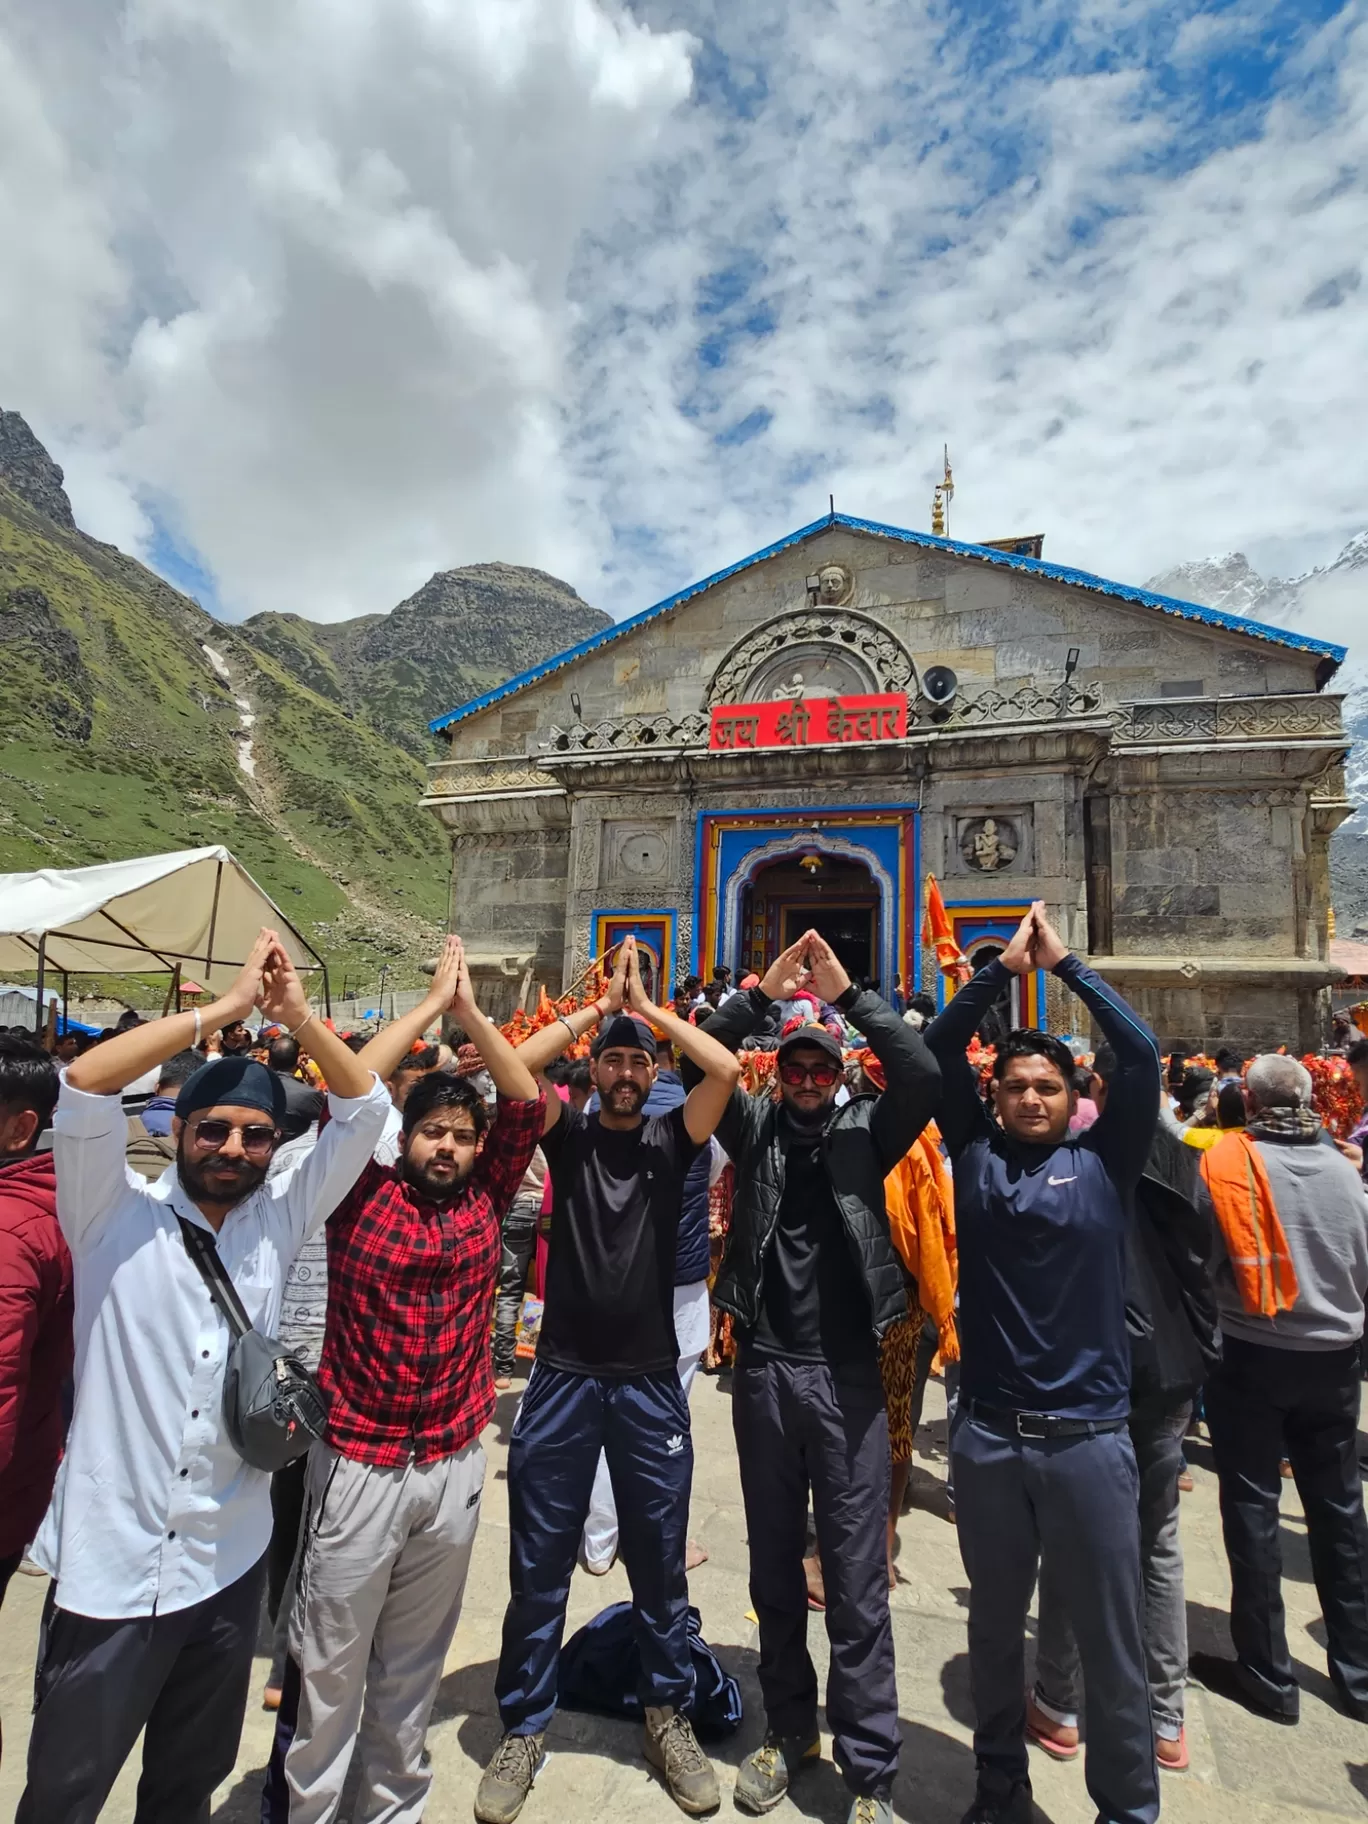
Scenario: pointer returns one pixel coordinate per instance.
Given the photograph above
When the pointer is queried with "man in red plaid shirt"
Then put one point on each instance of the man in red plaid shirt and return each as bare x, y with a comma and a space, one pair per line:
393, 1495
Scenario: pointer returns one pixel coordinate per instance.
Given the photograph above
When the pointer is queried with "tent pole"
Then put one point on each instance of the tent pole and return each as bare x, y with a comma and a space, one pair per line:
213, 922
327, 992
66, 1000
42, 977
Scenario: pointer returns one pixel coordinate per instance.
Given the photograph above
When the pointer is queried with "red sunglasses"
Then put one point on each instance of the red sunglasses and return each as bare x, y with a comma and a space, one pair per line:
823, 1075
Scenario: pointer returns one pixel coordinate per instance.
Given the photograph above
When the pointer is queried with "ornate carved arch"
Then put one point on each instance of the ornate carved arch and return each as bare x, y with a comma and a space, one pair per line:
869, 646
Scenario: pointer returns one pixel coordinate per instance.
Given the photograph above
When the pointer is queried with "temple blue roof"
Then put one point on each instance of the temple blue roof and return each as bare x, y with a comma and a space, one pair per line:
1032, 566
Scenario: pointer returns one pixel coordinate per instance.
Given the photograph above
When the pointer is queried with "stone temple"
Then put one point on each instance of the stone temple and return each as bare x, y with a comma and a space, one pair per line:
803, 737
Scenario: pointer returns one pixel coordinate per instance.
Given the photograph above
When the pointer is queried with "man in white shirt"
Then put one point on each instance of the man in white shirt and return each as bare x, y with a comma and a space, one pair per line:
157, 1531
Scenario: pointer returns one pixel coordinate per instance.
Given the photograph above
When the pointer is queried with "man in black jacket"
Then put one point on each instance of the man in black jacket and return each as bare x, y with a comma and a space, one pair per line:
814, 1283
1175, 1341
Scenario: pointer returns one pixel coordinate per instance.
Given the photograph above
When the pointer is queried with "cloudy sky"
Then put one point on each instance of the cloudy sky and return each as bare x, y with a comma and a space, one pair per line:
313, 297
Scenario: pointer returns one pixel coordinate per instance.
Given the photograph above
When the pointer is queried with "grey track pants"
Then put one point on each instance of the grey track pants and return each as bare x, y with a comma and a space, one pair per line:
380, 1579
1077, 1500
1156, 1431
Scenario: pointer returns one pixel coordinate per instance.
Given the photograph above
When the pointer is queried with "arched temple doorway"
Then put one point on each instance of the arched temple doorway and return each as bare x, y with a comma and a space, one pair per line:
833, 894
1006, 1013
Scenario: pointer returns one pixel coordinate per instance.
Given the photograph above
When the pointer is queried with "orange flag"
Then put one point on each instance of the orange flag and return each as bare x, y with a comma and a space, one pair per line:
938, 934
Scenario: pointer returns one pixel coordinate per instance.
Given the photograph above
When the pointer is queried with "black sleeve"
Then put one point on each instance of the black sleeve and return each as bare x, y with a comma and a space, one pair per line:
1122, 1134
553, 1140
912, 1076
735, 1020
673, 1135
962, 1114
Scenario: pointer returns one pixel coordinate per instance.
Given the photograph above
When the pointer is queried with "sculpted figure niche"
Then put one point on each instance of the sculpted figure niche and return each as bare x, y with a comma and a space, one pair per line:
988, 844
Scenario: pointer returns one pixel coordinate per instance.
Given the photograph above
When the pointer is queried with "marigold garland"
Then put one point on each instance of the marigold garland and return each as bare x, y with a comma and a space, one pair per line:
1334, 1090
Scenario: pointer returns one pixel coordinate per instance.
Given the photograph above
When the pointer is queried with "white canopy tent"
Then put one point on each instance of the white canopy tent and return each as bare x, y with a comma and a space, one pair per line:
196, 910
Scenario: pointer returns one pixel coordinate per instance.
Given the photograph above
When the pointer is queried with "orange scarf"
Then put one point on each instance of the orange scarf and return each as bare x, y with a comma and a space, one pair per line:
1243, 1200
921, 1219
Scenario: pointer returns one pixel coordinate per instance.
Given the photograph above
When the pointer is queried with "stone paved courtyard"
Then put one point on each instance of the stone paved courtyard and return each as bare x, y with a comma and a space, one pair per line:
1242, 1769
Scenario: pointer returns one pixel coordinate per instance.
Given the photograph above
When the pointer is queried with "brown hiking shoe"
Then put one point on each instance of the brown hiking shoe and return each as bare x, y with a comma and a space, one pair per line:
508, 1779
763, 1780
673, 1751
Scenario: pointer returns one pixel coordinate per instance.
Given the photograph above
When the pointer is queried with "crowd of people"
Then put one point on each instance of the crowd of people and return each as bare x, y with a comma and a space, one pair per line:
1088, 1247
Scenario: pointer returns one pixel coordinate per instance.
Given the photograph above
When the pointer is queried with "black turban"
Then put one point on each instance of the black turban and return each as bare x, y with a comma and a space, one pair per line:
235, 1082
621, 1031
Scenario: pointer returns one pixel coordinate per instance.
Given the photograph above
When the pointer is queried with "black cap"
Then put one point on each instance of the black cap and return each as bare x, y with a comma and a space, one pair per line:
813, 1035
621, 1031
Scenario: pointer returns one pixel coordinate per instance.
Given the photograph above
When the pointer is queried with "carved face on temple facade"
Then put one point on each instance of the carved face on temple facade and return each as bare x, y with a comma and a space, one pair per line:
835, 585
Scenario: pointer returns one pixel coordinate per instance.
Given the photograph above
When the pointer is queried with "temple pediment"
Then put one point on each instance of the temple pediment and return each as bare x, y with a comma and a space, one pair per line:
847, 607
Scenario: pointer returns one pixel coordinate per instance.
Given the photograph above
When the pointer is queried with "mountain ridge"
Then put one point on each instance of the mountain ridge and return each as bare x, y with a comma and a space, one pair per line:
125, 737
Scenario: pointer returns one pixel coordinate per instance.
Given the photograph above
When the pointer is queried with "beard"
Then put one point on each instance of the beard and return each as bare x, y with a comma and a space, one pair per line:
219, 1181
624, 1099
808, 1116
436, 1186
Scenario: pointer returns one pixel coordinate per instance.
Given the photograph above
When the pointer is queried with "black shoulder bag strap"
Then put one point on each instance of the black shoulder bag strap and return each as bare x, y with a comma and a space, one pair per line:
199, 1245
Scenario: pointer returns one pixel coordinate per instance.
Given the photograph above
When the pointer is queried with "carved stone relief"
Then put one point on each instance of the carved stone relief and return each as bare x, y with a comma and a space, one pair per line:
805, 640
987, 845
835, 585
511, 839
464, 778
636, 851
1228, 718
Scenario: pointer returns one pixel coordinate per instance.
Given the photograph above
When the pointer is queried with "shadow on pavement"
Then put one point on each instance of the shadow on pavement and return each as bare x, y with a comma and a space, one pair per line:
1209, 1632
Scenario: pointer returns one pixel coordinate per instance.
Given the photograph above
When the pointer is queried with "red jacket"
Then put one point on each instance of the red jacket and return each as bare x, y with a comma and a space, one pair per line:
35, 1345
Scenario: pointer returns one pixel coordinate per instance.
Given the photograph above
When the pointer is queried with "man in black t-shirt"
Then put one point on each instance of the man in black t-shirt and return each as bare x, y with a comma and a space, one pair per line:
606, 1377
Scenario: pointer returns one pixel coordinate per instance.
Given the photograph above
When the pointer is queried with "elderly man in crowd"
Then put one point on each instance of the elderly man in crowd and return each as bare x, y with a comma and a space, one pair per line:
1291, 1266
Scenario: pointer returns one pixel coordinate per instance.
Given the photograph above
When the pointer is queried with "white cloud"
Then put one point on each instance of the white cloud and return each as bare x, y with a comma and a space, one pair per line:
347, 229
348, 292
1137, 335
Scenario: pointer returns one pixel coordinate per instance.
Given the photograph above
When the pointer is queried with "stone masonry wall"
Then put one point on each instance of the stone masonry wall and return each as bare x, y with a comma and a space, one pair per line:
992, 627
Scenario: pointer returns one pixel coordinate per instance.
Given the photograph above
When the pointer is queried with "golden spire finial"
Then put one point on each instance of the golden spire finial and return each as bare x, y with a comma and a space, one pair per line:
941, 498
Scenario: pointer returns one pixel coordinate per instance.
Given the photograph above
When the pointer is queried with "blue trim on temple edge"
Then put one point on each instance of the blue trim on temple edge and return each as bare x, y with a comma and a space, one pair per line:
1032, 566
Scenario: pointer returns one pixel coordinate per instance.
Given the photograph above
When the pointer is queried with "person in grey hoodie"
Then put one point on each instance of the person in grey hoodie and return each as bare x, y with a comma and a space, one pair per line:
1288, 1386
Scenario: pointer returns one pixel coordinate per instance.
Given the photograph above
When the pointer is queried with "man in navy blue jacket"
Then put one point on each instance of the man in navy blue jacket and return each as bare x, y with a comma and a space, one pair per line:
1041, 1455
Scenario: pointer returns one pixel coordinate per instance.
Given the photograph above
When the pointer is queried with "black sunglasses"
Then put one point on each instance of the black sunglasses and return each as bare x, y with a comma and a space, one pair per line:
258, 1137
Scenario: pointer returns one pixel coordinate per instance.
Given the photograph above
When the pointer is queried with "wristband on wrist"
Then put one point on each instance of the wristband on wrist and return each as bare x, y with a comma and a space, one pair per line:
568, 1027
302, 1024
199, 1028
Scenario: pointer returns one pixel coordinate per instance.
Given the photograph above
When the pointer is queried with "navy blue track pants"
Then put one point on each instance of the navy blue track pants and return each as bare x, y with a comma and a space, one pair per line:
643, 1426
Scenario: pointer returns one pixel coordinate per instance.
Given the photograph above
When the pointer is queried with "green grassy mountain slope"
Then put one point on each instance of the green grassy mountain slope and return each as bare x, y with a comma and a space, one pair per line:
459, 635
135, 723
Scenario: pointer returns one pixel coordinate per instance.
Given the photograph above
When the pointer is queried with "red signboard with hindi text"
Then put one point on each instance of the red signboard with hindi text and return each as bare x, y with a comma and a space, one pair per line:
808, 722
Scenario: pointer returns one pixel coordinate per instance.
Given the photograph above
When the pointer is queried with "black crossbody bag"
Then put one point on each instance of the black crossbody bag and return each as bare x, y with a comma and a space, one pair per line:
273, 1408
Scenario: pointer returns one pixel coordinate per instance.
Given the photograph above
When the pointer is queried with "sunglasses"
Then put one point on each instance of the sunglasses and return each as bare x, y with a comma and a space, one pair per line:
258, 1137
823, 1075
